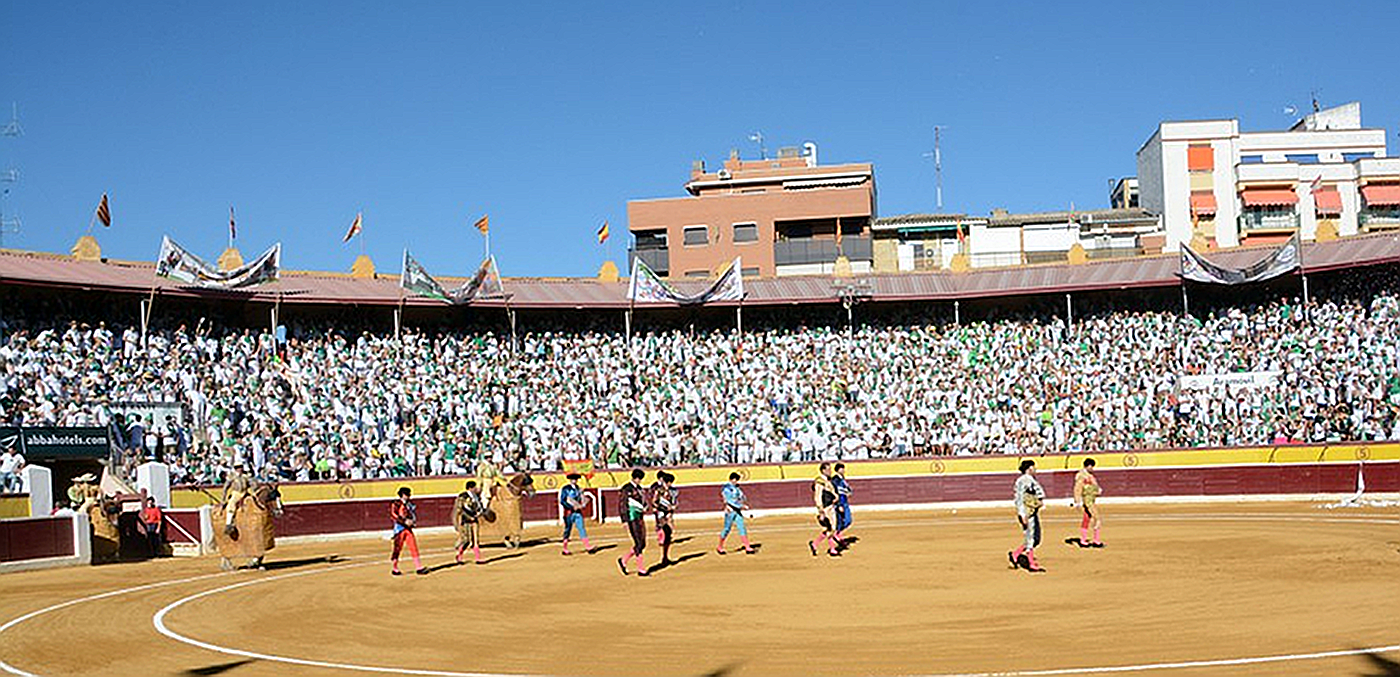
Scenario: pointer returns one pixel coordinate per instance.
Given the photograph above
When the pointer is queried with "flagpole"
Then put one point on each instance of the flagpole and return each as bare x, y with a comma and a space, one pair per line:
92, 222
627, 317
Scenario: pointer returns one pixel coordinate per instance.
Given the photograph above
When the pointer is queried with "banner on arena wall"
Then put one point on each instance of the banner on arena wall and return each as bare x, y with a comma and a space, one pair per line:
50, 443
416, 279
155, 412
1244, 379
1284, 259
645, 286
486, 283
177, 263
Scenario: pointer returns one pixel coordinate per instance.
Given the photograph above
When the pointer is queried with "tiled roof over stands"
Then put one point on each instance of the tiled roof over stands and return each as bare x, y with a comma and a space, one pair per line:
296, 287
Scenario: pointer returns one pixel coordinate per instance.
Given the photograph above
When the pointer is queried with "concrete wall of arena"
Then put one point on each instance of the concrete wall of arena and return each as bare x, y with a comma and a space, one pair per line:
326, 508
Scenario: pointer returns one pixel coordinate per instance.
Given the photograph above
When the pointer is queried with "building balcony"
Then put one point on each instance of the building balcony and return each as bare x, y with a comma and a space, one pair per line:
804, 251
1378, 219
1266, 221
658, 259
996, 259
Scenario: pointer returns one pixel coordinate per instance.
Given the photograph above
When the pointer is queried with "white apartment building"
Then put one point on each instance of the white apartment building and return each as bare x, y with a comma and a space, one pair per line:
922, 242
1215, 186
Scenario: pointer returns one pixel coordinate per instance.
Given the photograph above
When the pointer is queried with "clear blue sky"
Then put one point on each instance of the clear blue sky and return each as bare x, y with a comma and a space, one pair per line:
426, 115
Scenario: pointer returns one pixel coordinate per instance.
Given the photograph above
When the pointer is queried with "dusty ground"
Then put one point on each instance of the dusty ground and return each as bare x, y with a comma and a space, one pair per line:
920, 593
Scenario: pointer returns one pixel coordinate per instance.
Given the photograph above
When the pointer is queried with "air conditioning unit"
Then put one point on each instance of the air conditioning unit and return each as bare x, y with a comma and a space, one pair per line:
724, 175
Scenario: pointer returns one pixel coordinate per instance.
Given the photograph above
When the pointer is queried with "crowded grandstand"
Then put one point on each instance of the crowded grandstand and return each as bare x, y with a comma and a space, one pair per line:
336, 394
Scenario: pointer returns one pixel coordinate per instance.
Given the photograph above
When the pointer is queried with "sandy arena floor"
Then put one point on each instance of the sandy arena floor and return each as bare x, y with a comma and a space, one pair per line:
921, 593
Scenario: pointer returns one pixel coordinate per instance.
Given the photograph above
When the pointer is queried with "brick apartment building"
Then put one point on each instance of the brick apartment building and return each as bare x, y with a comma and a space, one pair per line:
782, 215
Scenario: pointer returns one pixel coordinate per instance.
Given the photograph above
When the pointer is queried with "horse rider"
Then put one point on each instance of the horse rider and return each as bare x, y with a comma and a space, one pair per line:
236, 488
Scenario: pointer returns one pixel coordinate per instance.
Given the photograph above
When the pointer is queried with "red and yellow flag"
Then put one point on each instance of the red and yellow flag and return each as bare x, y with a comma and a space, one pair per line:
603, 233
104, 214
354, 228
582, 466
482, 224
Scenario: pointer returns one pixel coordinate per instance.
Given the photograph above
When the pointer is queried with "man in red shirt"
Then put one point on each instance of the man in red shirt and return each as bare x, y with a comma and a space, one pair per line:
153, 524
405, 515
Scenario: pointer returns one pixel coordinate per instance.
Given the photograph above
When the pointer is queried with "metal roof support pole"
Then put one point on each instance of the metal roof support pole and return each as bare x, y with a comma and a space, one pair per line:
510, 315
1069, 311
146, 313
1307, 310
273, 315
145, 320
1303, 272
957, 312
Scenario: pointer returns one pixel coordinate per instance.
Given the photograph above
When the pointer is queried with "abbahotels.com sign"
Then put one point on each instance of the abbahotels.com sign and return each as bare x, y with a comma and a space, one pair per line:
58, 443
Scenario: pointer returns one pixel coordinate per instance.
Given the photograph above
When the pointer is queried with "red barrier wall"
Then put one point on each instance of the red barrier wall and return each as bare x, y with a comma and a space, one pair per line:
373, 515
300, 519
187, 519
35, 538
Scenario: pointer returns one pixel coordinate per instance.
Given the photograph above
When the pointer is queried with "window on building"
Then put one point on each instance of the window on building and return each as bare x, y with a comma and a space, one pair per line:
696, 236
1251, 159
650, 239
749, 272
745, 232
1302, 158
697, 273
1353, 157
1200, 158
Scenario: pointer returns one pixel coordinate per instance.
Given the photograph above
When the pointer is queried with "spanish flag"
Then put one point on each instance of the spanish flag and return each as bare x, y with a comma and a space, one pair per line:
582, 466
603, 233
482, 225
104, 214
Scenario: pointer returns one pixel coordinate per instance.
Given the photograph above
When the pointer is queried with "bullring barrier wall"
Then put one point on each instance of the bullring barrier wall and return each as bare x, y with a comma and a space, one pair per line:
330, 508
43, 542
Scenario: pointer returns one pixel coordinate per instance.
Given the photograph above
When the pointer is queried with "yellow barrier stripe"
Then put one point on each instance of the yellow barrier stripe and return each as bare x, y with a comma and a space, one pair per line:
14, 506
948, 465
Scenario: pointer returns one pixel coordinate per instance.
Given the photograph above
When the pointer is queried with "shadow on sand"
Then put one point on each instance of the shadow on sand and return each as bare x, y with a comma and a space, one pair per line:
1383, 667
218, 668
278, 565
662, 566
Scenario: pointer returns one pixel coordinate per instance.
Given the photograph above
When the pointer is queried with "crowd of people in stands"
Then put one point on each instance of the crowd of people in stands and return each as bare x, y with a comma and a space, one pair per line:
334, 404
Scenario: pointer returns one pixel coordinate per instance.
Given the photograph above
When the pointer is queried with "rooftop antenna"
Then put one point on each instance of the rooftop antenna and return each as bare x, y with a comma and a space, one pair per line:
757, 137
1316, 106
937, 155
9, 224
13, 129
